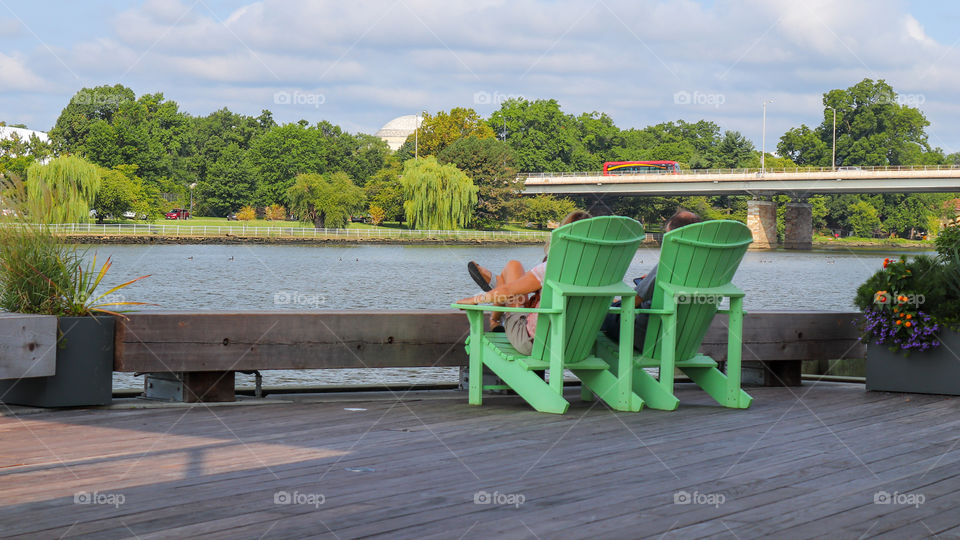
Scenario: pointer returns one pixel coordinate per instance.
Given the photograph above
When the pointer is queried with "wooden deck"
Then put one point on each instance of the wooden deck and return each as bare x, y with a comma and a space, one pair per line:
800, 463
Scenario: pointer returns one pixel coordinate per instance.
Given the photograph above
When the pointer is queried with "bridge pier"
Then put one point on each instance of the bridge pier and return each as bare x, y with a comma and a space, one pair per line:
762, 222
798, 226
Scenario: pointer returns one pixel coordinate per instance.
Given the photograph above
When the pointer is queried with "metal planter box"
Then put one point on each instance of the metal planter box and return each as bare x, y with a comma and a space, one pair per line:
84, 368
935, 371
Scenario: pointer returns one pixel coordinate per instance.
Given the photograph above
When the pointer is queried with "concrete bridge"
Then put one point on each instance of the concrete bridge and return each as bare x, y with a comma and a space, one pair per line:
796, 182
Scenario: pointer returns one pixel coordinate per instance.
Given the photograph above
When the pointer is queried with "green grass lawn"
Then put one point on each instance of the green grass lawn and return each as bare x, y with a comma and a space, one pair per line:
875, 241
223, 222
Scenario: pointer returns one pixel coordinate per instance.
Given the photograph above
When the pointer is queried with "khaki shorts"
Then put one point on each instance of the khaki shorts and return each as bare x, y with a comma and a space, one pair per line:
515, 326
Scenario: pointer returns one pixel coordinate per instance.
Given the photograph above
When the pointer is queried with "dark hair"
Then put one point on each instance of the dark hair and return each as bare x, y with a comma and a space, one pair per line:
681, 218
576, 215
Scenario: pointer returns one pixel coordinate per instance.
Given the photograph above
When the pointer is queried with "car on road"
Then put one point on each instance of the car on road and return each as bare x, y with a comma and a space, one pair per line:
178, 213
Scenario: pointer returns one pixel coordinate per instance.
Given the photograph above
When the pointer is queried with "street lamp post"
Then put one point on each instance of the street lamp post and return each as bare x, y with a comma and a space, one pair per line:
833, 159
763, 139
193, 185
416, 136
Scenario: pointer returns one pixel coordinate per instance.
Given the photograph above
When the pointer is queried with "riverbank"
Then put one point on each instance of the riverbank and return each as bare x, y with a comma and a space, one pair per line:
464, 239
228, 239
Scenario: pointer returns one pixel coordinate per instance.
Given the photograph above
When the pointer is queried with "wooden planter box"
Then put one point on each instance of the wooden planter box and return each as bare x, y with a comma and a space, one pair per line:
935, 371
84, 368
27, 345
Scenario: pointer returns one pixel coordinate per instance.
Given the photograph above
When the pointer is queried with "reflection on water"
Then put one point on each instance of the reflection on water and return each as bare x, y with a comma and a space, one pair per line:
280, 277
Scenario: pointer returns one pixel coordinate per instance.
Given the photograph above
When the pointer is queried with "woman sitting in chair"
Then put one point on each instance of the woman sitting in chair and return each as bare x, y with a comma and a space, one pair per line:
513, 289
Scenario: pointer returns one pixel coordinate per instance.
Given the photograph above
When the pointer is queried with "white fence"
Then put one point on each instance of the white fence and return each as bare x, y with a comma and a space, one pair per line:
178, 229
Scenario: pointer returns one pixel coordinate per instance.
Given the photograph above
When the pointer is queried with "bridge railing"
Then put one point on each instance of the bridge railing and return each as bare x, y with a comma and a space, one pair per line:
767, 170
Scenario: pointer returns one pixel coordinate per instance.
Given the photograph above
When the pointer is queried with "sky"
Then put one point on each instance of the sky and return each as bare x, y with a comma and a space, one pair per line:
360, 63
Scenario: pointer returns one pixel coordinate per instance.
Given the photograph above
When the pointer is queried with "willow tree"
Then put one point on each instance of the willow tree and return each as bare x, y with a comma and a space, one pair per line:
62, 190
437, 196
325, 200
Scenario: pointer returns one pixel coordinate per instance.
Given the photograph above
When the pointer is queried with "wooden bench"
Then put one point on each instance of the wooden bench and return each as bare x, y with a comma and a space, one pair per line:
205, 349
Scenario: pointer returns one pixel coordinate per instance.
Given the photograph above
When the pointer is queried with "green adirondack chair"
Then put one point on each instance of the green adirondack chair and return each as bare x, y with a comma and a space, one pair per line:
697, 264
586, 264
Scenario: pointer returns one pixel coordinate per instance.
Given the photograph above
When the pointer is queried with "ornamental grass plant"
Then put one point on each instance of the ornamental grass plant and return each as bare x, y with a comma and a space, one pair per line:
910, 301
39, 274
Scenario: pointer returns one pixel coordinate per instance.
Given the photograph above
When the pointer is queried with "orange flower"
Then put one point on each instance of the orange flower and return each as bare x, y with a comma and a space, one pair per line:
907, 324
899, 322
909, 316
901, 315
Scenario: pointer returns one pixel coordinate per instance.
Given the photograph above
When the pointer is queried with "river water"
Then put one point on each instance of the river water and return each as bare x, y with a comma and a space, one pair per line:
281, 277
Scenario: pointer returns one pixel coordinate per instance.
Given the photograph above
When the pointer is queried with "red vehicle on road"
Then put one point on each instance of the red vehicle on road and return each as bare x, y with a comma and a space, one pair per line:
178, 213
612, 168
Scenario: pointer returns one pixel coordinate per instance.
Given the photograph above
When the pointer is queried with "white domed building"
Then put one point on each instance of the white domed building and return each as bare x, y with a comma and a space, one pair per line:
396, 131
7, 132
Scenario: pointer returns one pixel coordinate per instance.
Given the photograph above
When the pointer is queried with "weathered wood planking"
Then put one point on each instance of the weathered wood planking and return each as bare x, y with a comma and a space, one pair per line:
790, 335
181, 342
153, 342
27, 345
783, 471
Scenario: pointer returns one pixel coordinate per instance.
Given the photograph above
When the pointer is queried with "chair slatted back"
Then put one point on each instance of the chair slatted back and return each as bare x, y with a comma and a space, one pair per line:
590, 252
701, 255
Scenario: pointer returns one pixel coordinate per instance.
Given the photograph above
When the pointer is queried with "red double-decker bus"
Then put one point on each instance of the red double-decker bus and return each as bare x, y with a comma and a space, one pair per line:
612, 168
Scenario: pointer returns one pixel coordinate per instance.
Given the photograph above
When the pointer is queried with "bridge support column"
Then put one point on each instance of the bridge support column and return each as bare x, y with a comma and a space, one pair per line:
798, 226
762, 221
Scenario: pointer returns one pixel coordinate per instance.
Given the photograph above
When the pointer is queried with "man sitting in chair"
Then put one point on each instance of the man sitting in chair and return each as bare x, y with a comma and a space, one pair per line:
513, 286
644, 287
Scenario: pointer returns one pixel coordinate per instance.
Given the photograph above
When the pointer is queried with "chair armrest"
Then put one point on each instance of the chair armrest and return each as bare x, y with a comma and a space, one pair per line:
616, 289
482, 307
728, 290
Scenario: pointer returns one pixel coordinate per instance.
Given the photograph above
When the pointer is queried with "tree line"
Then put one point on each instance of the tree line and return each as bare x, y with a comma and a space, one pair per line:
462, 168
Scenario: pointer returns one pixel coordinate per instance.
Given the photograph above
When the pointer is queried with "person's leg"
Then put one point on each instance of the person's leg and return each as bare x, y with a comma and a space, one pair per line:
512, 271
515, 326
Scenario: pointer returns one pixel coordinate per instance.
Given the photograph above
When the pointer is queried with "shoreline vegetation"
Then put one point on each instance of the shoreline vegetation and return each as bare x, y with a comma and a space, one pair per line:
97, 238
130, 155
388, 236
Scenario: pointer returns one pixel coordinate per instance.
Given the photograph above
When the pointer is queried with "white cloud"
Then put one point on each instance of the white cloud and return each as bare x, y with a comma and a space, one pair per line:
15, 75
624, 57
915, 31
